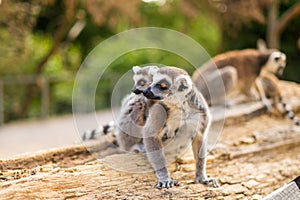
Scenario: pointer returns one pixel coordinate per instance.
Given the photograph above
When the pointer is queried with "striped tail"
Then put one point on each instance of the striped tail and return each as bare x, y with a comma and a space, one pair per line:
290, 114
101, 130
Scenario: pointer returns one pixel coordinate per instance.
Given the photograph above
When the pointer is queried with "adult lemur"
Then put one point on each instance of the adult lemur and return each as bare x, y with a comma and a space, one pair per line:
239, 70
247, 75
179, 111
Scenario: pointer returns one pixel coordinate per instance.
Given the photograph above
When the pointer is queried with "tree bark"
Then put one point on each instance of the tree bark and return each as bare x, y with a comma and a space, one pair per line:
272, 34
39, 69
276, 25
287, 17
58, 39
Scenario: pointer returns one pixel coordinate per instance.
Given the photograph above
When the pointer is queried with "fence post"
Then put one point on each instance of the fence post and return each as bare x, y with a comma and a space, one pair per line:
1, 103
45, 97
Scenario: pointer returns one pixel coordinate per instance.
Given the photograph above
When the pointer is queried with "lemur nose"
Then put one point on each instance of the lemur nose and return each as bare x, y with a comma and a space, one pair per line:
136, 90
150, 95
147, 92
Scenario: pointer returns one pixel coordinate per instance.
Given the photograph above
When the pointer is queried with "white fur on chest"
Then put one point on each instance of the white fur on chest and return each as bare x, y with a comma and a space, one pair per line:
183, 119
174, 121
188, 121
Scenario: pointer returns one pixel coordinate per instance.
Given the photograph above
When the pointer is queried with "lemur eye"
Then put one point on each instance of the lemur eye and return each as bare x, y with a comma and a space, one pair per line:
142, 82
276, 59
163, 86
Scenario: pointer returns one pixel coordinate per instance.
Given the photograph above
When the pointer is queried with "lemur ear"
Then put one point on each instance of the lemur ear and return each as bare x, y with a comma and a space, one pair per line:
183, 83
135, 69
153, 70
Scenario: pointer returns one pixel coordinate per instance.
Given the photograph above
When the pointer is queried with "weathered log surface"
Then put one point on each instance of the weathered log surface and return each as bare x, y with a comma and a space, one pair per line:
256, 154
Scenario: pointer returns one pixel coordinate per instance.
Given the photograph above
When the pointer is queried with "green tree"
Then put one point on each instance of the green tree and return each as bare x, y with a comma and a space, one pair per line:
42, 34
244, 22
50, 38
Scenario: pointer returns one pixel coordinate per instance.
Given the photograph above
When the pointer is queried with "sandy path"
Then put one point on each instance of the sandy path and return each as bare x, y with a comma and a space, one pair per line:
29, 136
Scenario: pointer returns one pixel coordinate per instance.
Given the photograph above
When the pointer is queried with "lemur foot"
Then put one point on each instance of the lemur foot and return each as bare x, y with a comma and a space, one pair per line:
229, 104
138, 148
166, 183
211, 182
267, 104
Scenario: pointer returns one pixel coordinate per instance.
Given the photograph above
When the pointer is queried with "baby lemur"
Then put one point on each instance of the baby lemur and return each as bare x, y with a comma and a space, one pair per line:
128, 127
179, 111
134, 111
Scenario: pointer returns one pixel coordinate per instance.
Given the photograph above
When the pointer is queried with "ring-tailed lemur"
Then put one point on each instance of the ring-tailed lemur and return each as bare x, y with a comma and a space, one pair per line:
127, 128
268, 87
239, 70
250, 72
134, 111
179, 111
100, 130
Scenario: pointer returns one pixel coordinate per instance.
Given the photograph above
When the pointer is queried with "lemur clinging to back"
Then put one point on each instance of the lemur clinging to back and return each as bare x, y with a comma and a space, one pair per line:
179, 111
134, 111
127, 128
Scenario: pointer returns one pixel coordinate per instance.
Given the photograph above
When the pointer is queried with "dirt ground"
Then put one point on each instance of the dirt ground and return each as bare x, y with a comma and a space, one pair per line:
251, 159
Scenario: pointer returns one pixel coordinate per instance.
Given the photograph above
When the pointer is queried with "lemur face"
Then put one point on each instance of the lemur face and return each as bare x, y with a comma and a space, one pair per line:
142, 78
169, 83
160, 88
276, 63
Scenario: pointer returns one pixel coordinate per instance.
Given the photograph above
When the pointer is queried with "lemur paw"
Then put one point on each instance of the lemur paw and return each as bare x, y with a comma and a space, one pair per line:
166, 183
138, 148
267, 104
229, 104
211, 182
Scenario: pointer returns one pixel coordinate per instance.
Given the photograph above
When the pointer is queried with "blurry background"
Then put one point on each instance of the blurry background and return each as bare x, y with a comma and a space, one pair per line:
43, 42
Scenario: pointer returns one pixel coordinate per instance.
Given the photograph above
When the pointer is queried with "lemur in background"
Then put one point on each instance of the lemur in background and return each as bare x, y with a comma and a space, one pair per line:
268, 87
127, 128
238, 70
248, 75
179, 111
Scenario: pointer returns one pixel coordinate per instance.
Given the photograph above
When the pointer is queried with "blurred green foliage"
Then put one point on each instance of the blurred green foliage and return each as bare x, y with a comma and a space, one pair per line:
248, 35
29, 32
123, 64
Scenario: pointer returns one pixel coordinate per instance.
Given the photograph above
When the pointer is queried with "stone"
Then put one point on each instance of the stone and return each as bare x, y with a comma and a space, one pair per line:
250, 184
233, 189
256, 197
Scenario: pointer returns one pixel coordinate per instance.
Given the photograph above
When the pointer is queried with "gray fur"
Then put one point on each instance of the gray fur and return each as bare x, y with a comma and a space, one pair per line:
134, 111
181, 112
238, 70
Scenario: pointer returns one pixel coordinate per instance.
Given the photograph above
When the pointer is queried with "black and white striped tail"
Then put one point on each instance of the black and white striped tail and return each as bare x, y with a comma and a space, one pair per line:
101, 130
290, 114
